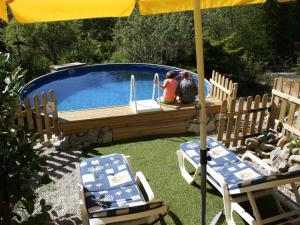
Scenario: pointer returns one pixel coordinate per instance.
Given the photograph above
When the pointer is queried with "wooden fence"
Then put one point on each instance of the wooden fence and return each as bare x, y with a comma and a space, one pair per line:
285, 105
41, 116
241, 120
222, 88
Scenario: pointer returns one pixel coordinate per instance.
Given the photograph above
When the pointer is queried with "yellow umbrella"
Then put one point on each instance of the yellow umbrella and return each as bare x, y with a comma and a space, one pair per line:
31, 11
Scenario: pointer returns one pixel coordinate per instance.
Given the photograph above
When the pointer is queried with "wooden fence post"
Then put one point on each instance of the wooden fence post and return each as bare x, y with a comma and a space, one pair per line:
238, 121
38, 118
246, 119
28, 110
46, 116
262, 113
221, 126
54, 114
20, 117
230, 121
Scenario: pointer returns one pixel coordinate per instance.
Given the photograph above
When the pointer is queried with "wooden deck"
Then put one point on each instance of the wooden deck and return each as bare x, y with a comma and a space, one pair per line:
125, 124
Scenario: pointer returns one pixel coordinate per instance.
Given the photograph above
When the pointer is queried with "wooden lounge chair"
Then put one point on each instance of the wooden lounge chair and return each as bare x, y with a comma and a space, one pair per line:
109, 194
239, 182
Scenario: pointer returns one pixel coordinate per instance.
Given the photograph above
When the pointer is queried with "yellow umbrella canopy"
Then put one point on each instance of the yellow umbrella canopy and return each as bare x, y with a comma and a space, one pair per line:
30, 11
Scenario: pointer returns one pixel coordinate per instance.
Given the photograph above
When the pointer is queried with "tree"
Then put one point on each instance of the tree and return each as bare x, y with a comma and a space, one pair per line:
283, 28
162, 39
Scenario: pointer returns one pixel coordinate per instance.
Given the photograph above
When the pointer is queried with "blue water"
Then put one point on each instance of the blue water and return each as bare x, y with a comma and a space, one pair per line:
98, 88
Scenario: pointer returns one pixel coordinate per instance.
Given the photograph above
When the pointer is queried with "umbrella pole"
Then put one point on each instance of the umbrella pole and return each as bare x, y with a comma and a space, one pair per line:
201, 91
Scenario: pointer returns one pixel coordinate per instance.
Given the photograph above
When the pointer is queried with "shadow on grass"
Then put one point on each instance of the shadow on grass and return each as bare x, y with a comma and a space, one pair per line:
210, 190
175, 218
181, 139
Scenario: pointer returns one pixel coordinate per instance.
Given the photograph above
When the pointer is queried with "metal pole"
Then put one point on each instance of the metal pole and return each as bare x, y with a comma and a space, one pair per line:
201, 91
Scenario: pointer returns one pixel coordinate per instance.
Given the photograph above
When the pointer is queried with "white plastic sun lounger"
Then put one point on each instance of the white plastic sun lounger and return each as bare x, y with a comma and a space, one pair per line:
109, 194
239, 182
148, 105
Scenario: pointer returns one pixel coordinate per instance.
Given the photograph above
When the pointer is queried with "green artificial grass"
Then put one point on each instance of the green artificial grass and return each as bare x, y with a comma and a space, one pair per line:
156, 157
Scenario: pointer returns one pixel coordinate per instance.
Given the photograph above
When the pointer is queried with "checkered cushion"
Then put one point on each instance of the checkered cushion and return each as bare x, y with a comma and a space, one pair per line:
235, 172
109, 187
105, 172
239, 174
219, 154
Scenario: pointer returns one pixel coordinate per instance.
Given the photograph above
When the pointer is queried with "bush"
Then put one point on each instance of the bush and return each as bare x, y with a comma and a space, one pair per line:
19, 161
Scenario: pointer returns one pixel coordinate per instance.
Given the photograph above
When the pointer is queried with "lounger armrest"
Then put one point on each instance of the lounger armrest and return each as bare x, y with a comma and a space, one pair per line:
128, 160
144, 185
259, 161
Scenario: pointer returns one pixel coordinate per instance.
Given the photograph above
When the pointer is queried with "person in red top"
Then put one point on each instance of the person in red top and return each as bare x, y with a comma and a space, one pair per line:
169, 86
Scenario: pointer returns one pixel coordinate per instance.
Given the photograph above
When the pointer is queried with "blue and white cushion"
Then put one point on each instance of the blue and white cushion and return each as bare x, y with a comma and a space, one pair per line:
239, 174
218, 153
105, 172
235, 172
109, 187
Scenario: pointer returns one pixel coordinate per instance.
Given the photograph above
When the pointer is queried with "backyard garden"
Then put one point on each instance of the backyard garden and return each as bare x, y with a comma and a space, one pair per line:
248, 51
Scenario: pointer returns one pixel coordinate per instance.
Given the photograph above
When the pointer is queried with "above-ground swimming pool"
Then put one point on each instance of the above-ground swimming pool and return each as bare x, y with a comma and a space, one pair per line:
99, 85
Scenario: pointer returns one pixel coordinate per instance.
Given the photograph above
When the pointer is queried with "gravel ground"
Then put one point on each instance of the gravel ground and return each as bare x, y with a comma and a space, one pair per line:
62, 193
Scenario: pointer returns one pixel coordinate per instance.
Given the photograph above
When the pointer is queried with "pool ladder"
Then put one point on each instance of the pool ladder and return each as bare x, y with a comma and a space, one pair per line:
132, 97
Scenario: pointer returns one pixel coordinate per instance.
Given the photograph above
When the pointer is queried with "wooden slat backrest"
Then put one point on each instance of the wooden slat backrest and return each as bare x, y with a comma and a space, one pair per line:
240, 121
285, 103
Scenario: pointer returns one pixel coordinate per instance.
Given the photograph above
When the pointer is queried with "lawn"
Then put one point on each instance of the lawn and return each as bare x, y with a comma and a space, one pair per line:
156, 158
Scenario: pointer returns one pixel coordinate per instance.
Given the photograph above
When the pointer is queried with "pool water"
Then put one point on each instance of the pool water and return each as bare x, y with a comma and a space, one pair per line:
96, 88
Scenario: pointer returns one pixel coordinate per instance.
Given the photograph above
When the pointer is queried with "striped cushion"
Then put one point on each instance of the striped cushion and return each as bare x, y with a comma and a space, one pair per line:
235, 172
105, 172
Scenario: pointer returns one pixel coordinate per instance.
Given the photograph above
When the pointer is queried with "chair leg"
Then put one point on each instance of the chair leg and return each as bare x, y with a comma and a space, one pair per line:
189, 179
254, 208
228, 211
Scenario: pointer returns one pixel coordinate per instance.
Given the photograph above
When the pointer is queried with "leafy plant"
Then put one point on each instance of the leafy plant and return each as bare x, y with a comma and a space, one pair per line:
297, 67
19, 162
296, 143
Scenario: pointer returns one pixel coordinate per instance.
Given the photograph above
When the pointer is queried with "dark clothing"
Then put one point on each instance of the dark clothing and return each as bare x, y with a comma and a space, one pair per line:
187, 91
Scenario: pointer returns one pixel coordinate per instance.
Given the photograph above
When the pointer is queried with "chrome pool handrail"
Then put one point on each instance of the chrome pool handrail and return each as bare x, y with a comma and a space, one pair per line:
132, 97
156, 77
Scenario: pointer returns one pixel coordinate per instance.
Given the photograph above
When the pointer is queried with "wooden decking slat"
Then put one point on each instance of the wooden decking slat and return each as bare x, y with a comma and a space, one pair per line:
123, 116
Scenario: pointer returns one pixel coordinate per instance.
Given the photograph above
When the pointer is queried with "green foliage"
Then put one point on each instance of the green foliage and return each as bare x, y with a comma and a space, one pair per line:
297, 67
283, 29
19, 161
222, 56
296, 143
162, 39
44, 44
245, 22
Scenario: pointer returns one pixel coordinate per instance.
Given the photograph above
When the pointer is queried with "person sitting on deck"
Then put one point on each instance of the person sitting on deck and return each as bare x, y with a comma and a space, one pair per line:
187, 89
169, 86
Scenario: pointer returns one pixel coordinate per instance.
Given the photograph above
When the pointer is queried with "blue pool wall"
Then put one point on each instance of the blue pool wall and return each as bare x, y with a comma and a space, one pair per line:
78, 71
